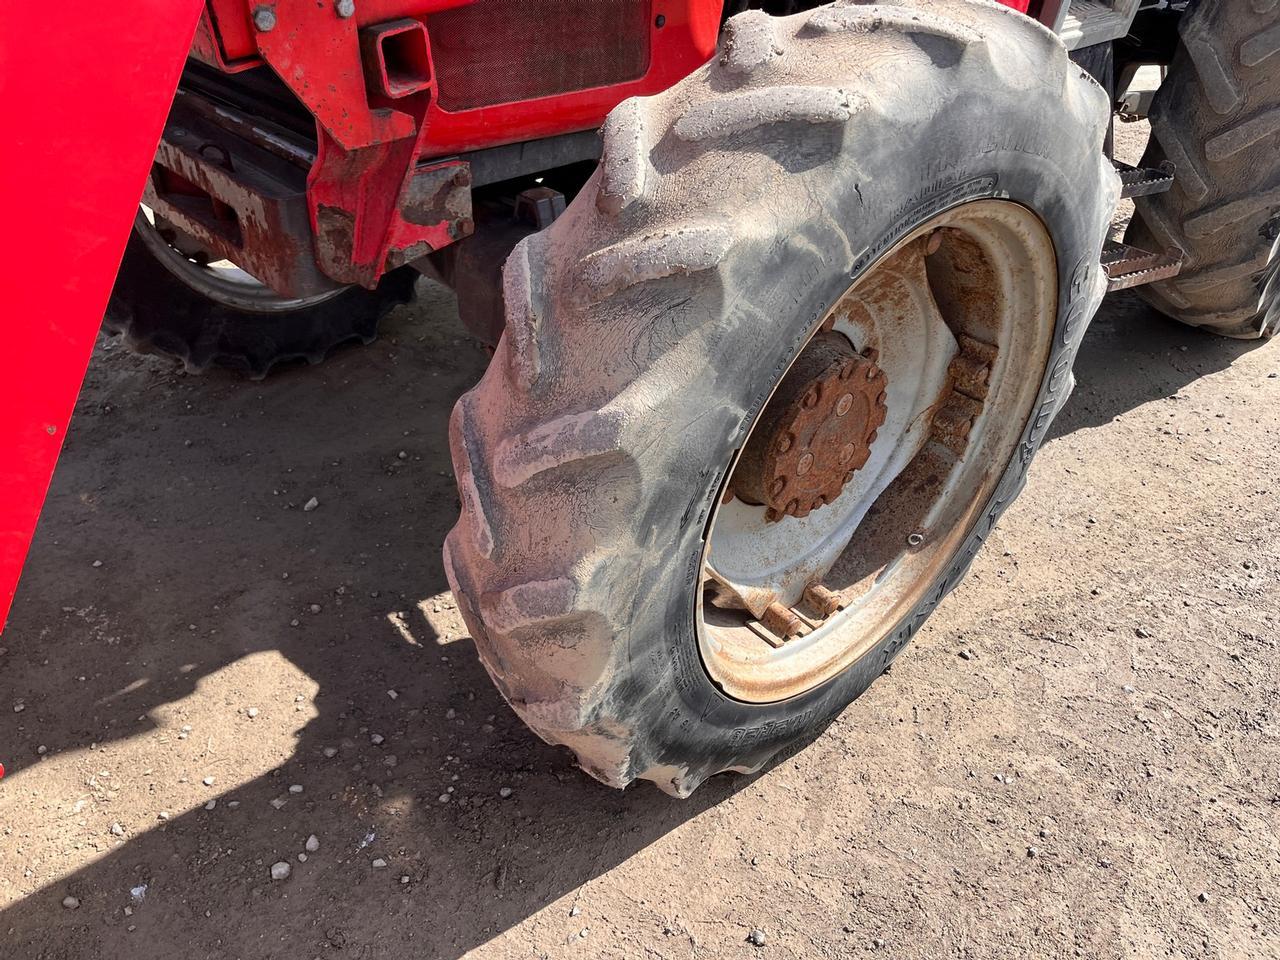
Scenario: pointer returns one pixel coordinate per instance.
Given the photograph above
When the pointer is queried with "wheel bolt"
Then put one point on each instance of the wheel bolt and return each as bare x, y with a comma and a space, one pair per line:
805, 464
845, 403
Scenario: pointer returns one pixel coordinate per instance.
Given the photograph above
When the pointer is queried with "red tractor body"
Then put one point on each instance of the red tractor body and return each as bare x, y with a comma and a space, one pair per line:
355, 152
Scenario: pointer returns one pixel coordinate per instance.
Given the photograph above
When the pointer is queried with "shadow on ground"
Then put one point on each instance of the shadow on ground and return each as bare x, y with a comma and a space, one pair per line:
192, 492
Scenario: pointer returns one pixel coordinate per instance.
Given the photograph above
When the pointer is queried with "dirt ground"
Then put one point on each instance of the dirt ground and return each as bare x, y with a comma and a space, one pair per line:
200, 673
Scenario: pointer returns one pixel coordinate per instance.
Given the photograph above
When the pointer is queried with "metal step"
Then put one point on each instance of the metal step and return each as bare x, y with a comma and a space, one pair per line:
1144, 181
1128, 266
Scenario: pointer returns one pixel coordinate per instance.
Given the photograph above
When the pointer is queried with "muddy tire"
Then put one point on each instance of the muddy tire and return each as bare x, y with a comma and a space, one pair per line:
649, 325
156, 312
1217, 117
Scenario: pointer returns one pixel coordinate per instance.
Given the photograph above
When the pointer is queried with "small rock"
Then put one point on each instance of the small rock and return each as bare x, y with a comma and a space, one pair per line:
70, 903
379, 863
211, 804
404, 454
443, 798
877, 943
42, 750
575, 910
302, 858
117, 830
330, 752
207, 781
311, 505
97, 563
404, 879
162, 815
1033, 851
756, 938
505, 792
19, 706
314, 608
1127, 688
252, 712
967, 654
313, 843
450, 713
1142, 633
295, 788
280, 870
279, 802
393, 695
377, 739
1204, 897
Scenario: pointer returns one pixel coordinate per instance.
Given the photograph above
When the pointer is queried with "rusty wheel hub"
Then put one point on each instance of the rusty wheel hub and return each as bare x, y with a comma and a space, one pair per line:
818, 430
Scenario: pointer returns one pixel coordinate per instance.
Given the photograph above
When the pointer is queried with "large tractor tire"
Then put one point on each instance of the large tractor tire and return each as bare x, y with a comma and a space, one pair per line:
1217, 117
791, 350
174, 303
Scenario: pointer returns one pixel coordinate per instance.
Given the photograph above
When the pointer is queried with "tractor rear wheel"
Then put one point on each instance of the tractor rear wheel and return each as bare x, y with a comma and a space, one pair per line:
1217, 117
769, 382
170, 299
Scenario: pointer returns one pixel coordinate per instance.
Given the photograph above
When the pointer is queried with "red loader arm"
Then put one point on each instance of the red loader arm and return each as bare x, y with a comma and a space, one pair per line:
85, 93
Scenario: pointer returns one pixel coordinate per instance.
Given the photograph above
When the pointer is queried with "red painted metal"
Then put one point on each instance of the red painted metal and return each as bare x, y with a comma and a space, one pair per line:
71, 177
375, 131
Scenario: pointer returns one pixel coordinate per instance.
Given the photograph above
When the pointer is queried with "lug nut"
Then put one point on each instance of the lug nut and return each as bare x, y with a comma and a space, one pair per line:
825, 601
781, 620
264, 19
345, 8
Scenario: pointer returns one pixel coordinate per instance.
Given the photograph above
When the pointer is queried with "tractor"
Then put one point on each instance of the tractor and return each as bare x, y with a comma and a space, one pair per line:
782, 296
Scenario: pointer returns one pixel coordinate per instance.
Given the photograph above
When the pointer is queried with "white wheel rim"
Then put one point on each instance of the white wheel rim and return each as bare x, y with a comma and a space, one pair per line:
862, 545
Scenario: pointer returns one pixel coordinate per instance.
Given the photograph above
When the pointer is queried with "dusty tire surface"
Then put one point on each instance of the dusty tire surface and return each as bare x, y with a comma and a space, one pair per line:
1217, 118
652, 321
157, 313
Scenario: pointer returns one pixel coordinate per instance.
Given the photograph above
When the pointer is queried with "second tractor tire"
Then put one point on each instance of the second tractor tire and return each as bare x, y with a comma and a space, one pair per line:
1217, 118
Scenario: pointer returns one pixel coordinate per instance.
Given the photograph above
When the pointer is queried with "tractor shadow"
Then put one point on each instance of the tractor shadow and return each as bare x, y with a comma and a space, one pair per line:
1132, 355
192, 493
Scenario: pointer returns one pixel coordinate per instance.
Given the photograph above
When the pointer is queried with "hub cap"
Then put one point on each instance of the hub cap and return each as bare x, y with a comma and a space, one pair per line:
863, 474
818, 430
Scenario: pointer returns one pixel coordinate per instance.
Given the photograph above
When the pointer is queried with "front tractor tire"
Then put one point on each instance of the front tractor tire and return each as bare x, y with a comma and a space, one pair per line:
737, 440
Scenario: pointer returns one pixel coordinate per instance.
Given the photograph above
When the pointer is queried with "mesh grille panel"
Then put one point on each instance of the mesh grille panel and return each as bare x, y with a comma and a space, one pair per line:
501, 51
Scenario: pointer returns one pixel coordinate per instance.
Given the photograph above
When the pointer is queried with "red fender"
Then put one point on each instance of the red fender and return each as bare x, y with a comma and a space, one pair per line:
85, 91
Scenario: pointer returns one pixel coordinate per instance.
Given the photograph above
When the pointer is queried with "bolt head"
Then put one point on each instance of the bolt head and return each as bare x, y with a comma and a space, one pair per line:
264, 19
845, 403
784, 443
847, 452
779, 484
345, 8
805, 464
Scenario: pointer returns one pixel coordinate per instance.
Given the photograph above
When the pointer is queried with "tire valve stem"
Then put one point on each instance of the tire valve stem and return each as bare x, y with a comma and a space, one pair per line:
915, 539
